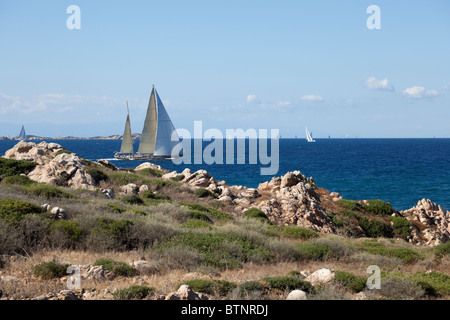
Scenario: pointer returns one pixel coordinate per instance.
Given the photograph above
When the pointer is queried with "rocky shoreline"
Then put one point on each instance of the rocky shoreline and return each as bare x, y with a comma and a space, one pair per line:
291, 199
188, 236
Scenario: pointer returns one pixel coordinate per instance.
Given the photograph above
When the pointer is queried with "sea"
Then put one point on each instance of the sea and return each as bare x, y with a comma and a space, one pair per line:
400, 171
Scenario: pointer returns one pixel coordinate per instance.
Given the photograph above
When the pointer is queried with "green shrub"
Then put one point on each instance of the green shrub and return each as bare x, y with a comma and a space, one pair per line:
294, 273
151, 172
219, 215
96, 174
123, 178
15, 210
294, 232
132, 199
442, 250
70, 228
119, 268
116, 232
288, 283
254, 213
400, 289
33, 230
195, 224
248, 287
47, 191
11, 167
350, 281
340, 223
18, 180
350, 205
50, 270
116, 208
349, 213
379, 207
195, 214
62, 151
158, 184
133, 293
178, 178
375, 228
434, 283
203, 193
314, 251
220, 250
405, 254
219, 287
401, 226
114, 227
148, 194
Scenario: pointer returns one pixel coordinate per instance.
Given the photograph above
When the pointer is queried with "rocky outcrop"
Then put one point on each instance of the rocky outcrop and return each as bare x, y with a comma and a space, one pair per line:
63, 169
292, 200
40, 153
200, 179
431, 223
107, 164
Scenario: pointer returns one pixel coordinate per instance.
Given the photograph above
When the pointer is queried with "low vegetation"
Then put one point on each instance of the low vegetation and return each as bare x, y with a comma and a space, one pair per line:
119, 268
133, 293
50, 270
10, 167
181, 230
216, 287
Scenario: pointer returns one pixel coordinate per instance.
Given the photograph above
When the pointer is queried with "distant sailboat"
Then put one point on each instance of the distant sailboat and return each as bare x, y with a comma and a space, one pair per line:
22, 135
309, 136
156, 140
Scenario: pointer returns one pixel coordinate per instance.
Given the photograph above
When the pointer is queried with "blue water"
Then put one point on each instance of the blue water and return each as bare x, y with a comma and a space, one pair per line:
401, 171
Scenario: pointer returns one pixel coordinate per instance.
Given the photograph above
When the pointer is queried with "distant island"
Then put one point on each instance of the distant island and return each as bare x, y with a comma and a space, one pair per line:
135, 136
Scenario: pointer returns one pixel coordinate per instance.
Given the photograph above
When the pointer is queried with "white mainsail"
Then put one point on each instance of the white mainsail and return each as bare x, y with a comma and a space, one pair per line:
158, 129
166, 135
308, 136
127, 141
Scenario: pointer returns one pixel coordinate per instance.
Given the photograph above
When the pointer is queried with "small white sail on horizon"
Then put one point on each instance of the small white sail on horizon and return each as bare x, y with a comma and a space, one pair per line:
22, 135
309, 135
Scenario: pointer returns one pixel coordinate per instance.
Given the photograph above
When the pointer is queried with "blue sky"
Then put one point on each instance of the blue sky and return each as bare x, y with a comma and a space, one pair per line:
232, 64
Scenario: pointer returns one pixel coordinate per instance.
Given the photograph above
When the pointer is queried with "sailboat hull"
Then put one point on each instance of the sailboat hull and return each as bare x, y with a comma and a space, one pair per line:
141, 156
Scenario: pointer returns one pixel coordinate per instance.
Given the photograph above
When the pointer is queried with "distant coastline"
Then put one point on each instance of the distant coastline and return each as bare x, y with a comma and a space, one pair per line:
111, 137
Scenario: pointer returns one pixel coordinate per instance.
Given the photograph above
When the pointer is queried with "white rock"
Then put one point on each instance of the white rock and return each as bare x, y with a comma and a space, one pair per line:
109, 193
297, 295
185, 293
145, 267
130, 188
321, 276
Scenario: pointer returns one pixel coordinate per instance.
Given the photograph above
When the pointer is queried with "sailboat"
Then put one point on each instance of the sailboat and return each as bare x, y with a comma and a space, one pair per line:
309, 135
158, 135
22, 135
126, 149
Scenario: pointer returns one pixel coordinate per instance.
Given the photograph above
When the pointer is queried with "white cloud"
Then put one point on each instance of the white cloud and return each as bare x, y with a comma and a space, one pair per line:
312, 98
417, 92
447, 86
374, 84
252, 98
